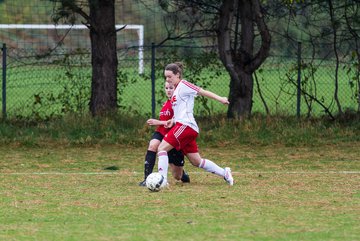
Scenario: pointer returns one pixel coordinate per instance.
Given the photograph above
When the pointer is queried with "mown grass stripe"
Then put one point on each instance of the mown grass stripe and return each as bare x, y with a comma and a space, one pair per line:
136, 173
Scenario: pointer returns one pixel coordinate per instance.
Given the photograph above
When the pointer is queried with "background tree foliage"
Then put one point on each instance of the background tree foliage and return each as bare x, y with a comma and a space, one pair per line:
241, 33
326, 28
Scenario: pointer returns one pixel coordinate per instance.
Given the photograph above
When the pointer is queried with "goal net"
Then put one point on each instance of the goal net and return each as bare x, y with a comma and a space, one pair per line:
42, 40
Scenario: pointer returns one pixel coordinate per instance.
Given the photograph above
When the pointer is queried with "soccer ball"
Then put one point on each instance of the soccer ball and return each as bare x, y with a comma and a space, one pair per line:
155, 182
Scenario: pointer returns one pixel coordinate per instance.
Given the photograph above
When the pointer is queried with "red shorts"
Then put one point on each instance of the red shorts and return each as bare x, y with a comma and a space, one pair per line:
183, 138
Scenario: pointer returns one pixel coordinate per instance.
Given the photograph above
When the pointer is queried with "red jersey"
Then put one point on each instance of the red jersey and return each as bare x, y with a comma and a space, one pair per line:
166, 113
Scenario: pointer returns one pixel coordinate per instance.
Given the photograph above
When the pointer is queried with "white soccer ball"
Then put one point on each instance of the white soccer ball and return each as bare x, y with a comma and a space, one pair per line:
155, 182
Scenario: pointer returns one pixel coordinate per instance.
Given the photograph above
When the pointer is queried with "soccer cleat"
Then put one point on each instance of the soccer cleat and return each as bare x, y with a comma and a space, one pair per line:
185, 177
142, 184
228, 177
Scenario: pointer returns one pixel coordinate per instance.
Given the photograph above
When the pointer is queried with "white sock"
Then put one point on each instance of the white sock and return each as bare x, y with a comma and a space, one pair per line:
163, 163
210, 166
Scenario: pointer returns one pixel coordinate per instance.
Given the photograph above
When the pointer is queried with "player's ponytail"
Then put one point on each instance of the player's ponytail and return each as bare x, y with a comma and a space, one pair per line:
176, 68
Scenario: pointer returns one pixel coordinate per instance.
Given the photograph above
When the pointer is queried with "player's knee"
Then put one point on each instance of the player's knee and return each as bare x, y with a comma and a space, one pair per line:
162, 148
177, 173
153, 147
195, 163
177, 176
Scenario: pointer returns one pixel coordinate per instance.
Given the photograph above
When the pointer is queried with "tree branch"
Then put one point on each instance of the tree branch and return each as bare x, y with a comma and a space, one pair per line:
263, 52
223, 33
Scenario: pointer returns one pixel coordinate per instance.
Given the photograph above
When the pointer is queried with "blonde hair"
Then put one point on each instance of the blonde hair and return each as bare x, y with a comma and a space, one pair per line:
176, 68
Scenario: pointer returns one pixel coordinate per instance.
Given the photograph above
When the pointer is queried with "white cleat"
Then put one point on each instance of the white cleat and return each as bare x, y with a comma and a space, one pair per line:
228, 177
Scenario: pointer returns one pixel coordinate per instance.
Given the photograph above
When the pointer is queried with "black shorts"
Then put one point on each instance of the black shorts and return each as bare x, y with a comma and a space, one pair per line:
175, 157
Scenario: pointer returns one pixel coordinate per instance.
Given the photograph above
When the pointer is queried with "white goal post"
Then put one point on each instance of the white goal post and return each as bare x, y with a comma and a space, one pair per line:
139, 29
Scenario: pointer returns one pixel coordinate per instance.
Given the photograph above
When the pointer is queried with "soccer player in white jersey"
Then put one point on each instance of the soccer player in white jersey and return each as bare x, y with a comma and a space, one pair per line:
183, 135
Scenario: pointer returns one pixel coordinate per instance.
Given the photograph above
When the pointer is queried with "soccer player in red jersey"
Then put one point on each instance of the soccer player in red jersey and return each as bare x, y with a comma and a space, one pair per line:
184, 131
176, 158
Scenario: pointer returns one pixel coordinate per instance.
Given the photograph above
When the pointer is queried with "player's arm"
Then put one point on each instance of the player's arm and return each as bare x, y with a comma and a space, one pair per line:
209, 94
169, 123
155, 122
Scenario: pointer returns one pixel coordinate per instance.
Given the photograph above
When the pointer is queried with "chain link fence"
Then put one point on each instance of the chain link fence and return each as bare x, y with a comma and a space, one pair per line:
52, 84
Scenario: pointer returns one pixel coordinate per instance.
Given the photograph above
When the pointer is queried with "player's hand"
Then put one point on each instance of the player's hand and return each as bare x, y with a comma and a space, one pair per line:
224, 100
169, 123
152, 122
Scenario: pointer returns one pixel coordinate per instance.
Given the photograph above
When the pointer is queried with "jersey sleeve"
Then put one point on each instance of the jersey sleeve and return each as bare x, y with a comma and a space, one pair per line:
190, 88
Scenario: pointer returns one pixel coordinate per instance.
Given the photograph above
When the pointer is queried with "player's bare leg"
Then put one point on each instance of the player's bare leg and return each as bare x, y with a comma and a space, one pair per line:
210, 166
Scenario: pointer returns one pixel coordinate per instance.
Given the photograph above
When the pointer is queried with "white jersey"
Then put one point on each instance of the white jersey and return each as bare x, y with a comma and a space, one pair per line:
183, 104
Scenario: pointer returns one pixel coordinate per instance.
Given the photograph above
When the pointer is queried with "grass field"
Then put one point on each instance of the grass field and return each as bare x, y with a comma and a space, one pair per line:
280, 193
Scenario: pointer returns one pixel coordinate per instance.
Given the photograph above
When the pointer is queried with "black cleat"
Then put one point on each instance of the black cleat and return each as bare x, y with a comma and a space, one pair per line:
185, 177
142, 184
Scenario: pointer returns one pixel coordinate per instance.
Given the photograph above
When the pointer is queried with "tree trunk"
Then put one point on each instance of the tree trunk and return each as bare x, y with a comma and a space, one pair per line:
334, 28
241, 62
103, 57
240, 96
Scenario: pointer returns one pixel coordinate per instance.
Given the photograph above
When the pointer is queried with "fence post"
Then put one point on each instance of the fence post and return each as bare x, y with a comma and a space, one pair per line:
153, 80
4, 80
298, 101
